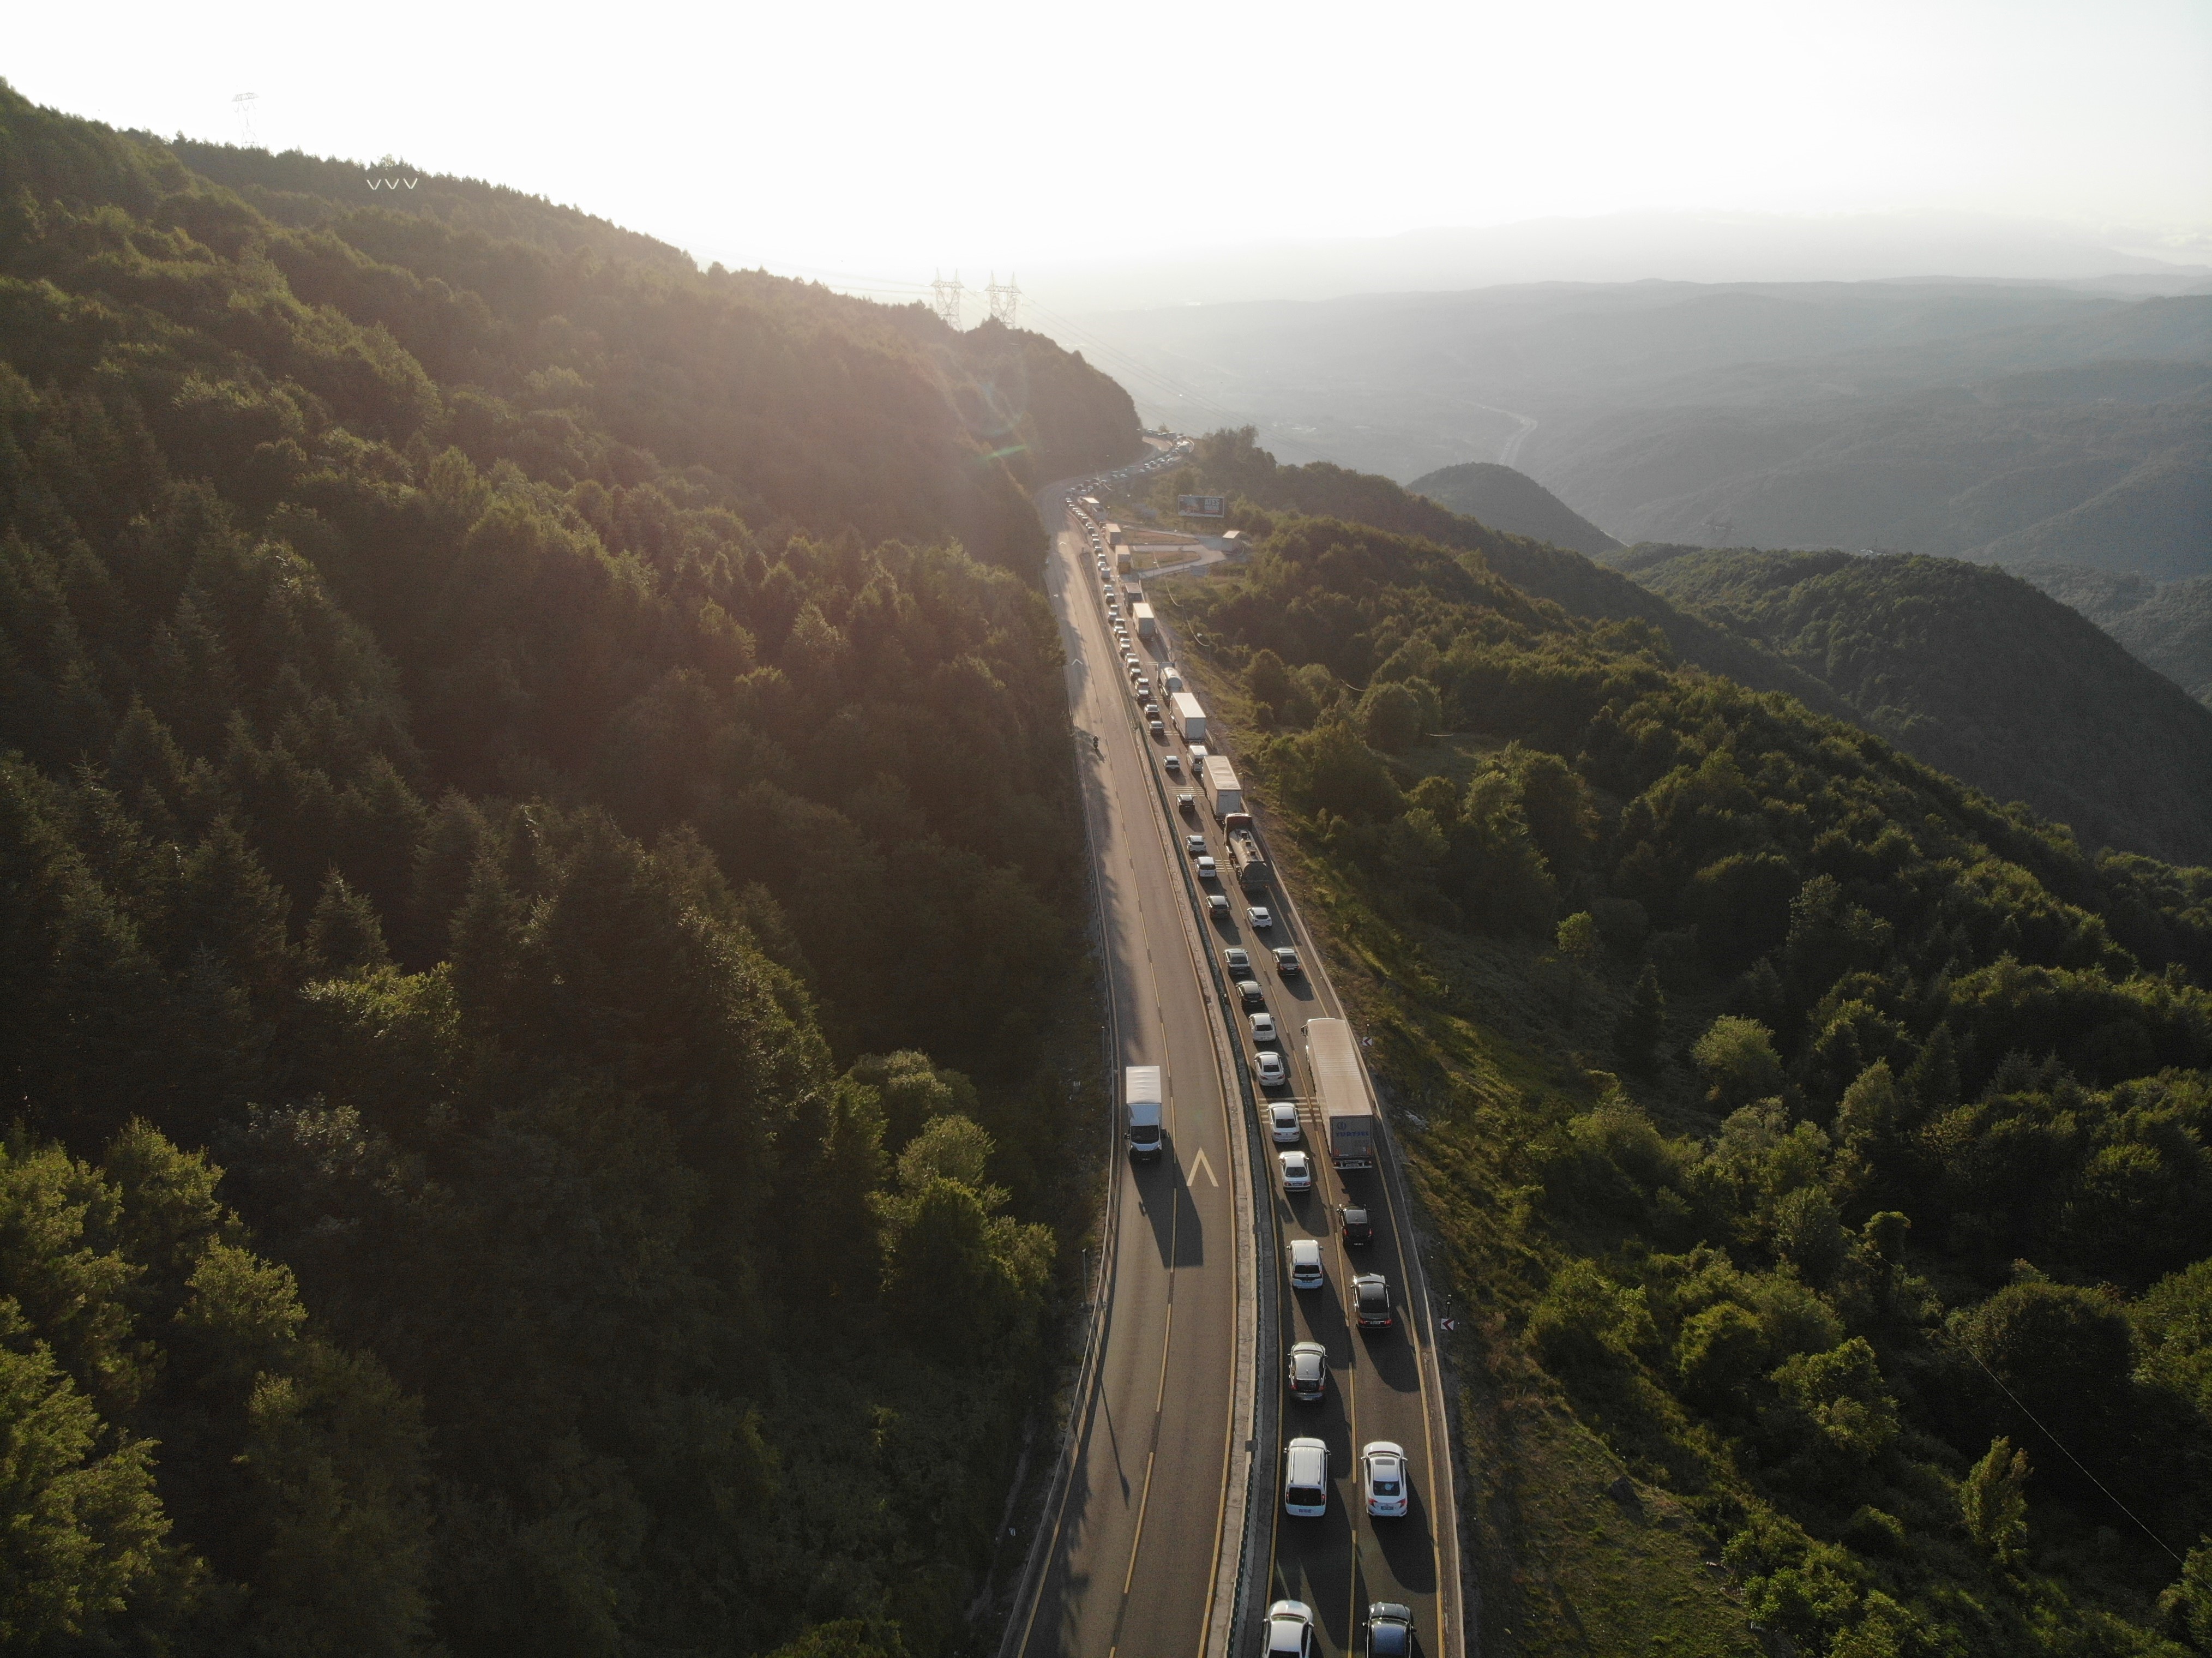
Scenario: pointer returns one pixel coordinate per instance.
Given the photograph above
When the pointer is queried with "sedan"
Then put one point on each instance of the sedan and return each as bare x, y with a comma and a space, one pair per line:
1156, 728
1297, 1177
1371, 1296
1263, 1027
1187, 802
1236, 959
1249, 990
1290, 1630
1257, 915
1286, 962
1207, 870
1389, 1630
1172, 765
1217, 906
1352, 1221
1382, 1475
1305, 1264
1283, 1123
1195, 845
1309, 1369
1271, 1066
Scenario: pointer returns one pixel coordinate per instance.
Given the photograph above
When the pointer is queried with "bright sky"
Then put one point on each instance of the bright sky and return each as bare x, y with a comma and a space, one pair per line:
889, 141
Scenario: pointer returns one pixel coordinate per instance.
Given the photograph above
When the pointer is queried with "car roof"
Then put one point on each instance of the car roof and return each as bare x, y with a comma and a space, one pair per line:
1305, 1248
1309, 1347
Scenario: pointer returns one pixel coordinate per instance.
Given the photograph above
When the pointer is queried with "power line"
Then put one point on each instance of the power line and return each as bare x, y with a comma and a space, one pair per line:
1006, 302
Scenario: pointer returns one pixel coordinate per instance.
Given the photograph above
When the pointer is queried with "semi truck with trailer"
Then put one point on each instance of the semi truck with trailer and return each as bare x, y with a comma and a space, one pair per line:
1142, 1104
1222, 793
1347, 1109
1188, 715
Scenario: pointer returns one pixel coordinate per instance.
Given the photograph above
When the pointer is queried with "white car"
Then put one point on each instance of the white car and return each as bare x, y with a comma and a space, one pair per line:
1172, 765
1290, 1630
1283, 1123
1305, 1264
1193, 844
1236, 958
1263, 1027
1207, 870
1382, 1475
1258, 916
1269, 1061
1298, 1170
1305, 1479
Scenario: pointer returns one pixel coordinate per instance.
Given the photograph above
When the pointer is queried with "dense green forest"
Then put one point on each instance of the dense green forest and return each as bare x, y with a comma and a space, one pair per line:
533, 826
1828, 1142
1977, 673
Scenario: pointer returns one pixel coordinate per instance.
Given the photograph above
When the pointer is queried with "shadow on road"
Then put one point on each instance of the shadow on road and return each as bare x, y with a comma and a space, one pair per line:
1163, 1193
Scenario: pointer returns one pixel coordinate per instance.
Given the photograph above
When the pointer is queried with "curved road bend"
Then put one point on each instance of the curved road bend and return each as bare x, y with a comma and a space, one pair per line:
1131, 1541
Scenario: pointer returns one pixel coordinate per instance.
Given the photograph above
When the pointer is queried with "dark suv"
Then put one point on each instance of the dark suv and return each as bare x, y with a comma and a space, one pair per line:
1353, 1221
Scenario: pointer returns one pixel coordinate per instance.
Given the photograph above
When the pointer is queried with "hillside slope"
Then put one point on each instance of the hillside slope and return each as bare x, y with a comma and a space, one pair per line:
1819, 1137
1231, 462
2167, 625
1509, 499
1983, 676
476, 696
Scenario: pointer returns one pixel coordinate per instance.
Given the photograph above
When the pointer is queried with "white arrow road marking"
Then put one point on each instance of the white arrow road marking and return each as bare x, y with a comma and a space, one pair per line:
1201, 1164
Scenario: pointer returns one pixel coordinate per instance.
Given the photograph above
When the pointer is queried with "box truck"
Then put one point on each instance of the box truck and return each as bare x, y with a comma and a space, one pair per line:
1347, 1109
1188, 715
1223, 793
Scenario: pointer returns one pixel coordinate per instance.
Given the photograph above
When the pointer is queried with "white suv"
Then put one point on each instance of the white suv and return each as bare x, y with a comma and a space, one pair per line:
1305, 1478
1305, 1264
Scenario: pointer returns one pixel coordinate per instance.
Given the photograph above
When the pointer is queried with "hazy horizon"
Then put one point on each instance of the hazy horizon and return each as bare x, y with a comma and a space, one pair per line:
874, 157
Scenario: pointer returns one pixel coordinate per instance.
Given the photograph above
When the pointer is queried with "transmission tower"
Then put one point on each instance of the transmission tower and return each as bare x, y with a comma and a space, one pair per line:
1006, 302
243, 103
946, 299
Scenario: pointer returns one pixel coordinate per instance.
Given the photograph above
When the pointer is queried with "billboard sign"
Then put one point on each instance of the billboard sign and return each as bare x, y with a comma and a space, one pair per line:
1202, 505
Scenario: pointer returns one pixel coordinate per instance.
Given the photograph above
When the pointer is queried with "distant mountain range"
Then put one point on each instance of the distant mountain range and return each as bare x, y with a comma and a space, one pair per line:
2008, 422
1509, 499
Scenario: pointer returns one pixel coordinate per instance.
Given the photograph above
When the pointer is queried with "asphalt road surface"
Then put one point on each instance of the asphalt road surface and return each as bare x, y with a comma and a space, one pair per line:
1132, 1559
1135, 1543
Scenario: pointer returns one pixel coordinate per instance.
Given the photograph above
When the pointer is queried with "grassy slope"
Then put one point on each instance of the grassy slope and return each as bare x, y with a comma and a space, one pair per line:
1513, 502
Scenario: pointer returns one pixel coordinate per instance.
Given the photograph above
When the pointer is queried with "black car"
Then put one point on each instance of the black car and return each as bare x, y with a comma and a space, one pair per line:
1389, 1630
1250, 991
1372, 1299
1309, 1372
1286, 962
1353, 1221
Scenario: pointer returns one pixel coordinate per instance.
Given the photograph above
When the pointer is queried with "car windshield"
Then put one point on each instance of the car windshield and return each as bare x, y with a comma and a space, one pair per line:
1144, 1134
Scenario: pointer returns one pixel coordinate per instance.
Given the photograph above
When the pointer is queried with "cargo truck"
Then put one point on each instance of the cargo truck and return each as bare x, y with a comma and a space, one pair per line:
1223, 793
1140, 1095
1188, 714
1347, 1109
1146, 626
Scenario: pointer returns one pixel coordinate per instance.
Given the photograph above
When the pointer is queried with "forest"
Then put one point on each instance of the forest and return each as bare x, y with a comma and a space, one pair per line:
1823, 1151
533, 820
1979, 674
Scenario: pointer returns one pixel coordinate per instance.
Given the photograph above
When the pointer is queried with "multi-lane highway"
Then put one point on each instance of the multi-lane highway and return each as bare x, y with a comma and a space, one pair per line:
1165, 1533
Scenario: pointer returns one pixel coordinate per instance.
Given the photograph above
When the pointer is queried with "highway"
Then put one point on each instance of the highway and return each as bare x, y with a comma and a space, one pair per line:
1155, 1536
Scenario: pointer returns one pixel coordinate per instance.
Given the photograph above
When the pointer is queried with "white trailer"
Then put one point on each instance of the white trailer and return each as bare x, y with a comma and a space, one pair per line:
1188, 715
1146, 626
1347, 1109
1222, 793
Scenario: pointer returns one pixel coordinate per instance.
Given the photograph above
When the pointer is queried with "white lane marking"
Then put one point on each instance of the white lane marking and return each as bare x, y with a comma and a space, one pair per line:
1198, 1164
